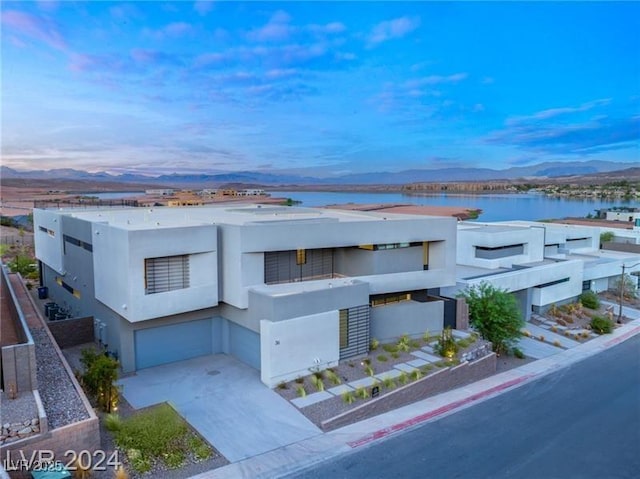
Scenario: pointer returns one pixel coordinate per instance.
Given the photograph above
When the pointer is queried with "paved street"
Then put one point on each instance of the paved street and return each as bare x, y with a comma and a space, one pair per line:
580, 422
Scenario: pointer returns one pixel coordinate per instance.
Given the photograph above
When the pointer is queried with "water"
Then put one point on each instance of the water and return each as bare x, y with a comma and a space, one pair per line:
114, 195
498, 207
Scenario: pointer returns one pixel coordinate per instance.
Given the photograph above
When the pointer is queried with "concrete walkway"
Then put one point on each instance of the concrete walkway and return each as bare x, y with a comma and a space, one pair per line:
626, 310
309, 452
550, 337
225, 401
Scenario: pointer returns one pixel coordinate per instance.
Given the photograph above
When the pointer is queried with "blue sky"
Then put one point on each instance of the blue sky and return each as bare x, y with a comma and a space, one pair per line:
318, 88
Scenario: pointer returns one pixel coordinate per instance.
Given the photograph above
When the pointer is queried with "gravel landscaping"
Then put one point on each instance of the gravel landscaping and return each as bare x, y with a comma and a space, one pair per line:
60, 399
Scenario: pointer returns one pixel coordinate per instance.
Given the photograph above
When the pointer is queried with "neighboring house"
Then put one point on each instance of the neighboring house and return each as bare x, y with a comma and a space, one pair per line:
283, 289
540, 263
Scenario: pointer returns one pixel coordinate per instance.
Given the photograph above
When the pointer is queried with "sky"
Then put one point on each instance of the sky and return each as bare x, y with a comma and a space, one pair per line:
317, 88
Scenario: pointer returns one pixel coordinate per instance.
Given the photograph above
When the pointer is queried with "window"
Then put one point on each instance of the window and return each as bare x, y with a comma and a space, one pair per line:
487, 252
384, 299
166, 274
344, 328
425, 255
76, 242
48, 231
301, 256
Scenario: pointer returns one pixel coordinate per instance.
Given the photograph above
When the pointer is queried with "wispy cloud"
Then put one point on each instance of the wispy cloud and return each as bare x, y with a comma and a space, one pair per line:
563, 131
27, 25
391, 29
277, 29
435, 80
172, 30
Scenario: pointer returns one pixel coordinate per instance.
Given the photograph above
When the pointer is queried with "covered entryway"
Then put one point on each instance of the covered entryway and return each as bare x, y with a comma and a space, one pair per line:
174, 342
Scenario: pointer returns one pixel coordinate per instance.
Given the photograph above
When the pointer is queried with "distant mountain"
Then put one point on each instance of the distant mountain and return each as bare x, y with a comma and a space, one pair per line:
542, 170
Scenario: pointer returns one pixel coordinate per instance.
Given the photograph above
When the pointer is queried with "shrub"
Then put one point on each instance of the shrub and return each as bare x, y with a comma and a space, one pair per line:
517, 352
368, 370
414, 344
200, 449
557, 344
403, 378
299, 380
99, 378
362, 392
395, 355
374, 344
446, 345
601, 325
589, 299
300, 391
494, 312
415, 374
390, 348
348, 397
112, 422
388, 382
554, 329
404, 343
541, 338
426, 337
382, 358
317, 383
333, 377
282, 385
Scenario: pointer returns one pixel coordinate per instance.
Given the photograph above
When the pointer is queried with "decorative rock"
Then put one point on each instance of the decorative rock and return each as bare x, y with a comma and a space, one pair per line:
24, 431
35, 421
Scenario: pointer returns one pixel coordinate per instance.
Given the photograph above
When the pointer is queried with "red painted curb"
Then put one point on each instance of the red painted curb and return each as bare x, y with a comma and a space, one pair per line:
435, 413
626, 335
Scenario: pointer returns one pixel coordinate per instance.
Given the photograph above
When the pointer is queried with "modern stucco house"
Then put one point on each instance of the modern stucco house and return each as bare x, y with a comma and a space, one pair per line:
283, 289
540, 263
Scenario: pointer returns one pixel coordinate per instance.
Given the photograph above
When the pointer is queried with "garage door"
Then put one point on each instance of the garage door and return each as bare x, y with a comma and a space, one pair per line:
175, 342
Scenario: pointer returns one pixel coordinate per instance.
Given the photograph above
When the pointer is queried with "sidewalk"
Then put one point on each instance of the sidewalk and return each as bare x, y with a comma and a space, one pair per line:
309, 452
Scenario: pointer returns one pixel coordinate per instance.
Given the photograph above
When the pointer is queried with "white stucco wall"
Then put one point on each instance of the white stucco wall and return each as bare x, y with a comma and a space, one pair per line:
119, 256
488, 237
48, 248
407, 317
289, 349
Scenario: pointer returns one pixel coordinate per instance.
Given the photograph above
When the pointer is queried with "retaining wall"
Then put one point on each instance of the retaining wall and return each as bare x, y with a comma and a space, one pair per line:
72, 332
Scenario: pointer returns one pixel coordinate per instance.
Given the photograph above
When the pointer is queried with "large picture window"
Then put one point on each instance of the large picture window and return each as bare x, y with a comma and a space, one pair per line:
166, 274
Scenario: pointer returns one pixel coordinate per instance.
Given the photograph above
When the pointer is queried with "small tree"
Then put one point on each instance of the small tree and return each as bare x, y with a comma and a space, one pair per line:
101, 373
625, 287
606, 237
495, 314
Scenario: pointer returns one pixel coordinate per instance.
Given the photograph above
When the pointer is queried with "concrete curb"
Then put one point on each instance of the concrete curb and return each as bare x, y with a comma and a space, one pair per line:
310, 452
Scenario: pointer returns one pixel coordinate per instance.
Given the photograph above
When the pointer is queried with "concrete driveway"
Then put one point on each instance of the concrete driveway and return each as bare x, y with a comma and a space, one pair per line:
224, 400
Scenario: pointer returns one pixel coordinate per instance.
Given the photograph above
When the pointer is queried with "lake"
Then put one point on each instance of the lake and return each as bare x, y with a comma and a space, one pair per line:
499, 207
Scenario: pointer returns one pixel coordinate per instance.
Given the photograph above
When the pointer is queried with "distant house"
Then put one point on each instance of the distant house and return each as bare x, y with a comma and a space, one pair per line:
283, 289
159, 192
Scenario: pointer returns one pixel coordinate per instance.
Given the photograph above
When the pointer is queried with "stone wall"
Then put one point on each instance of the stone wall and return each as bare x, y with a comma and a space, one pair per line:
77, 437
431, 385
72, 332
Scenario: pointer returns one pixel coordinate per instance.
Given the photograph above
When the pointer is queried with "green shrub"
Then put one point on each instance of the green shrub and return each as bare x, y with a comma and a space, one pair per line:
301, 391
446, 346
112, 422
395, 355
390, 348
403, 377
415, 374
404, 343
174, 459
368, 370
517, 352
317, 383
382, 358
333, 377
388, 382
200, 449
426, 337
601, 325
589, 299
348, 397
362, 392
282, 385
99, 378
374, 344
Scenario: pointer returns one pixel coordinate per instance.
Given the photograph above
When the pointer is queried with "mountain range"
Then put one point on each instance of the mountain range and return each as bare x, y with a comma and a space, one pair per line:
538, 171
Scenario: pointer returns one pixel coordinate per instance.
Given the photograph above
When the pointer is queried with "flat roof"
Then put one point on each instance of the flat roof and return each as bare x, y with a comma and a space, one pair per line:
154, 217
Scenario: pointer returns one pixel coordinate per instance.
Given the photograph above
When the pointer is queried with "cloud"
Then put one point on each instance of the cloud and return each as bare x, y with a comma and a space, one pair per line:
173, 30
277, 29
564, 131
391, 29
556, 112
32, 26
487, 80
203, 7
435, 80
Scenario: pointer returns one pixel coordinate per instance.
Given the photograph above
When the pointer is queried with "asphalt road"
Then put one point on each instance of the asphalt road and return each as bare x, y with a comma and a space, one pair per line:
581, 422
